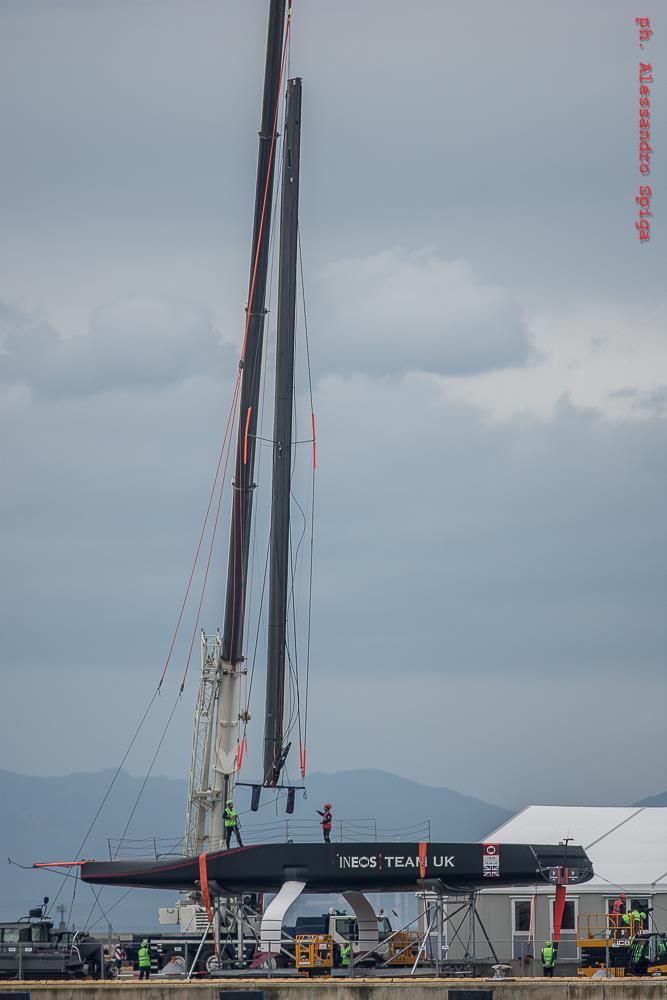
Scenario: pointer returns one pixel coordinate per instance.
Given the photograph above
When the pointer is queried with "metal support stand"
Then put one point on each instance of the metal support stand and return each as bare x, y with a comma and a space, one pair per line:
439, 932
198, 953
422, 943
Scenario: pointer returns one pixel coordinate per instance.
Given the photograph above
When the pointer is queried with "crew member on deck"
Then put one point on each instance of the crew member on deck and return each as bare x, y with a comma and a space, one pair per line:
232, 824
327, 819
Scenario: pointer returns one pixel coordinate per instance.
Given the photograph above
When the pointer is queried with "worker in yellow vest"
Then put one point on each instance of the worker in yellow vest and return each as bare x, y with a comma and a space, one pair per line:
232, 824
548, 958
144, 960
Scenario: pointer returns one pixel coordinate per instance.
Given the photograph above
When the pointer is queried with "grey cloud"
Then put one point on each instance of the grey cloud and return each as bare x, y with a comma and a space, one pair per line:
135, 342
525, 547
400, 310
653, 402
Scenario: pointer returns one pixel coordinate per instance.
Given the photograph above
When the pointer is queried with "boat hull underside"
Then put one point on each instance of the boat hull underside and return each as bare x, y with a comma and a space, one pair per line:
378, 867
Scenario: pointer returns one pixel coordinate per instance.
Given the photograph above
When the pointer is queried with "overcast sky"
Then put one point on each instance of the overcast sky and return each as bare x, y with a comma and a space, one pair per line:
489, 360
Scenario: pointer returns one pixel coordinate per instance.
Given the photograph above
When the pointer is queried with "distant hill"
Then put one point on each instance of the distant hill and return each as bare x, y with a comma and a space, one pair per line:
46, 818
654, 800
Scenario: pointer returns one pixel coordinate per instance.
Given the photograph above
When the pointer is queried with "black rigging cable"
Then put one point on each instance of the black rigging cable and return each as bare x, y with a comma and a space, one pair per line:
171, 648
71, 905
108, 791
112, 907
96, 902
148, 773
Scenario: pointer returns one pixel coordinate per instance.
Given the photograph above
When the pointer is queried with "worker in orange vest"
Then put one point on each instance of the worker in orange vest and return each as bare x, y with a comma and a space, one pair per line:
327, 819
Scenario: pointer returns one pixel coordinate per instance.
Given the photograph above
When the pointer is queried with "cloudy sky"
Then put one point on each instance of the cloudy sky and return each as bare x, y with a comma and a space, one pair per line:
490, 373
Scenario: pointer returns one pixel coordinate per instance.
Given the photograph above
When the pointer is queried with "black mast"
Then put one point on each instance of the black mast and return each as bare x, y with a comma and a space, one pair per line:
274, 752
232, 642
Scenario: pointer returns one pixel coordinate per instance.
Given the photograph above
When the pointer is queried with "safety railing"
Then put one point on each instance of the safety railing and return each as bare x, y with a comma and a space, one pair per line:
607, 927
279, 831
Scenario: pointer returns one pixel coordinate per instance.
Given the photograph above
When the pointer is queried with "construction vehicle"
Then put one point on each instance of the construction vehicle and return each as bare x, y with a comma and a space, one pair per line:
314, 954
659, 967
403, 948
625, 948
340, 927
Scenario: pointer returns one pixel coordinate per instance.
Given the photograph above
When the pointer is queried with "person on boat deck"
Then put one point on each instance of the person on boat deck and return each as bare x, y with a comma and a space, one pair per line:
144, 960
232, 824
327, 819
345, 955
548, 958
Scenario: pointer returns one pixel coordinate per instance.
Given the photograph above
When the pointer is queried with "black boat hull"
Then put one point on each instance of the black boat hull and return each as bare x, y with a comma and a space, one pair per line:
379, 867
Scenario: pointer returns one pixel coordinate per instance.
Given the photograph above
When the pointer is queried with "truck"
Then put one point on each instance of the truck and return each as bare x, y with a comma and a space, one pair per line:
340, 926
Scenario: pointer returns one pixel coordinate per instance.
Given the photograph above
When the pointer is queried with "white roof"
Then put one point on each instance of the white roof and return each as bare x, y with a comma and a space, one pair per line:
628, 846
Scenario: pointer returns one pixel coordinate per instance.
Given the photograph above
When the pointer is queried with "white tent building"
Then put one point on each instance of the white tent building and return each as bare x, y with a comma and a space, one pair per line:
628, 848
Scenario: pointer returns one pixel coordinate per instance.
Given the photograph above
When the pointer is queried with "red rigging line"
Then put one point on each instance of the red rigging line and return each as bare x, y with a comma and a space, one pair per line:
227, 441
203, 881
245, 435
559, 903
203, 531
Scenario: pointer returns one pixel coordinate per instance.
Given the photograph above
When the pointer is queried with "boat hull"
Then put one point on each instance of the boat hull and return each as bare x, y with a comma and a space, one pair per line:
377, 867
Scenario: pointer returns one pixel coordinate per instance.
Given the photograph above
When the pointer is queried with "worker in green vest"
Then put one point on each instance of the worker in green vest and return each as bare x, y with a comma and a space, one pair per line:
144, 960
232, 823
345, 955
638, 918
548, 958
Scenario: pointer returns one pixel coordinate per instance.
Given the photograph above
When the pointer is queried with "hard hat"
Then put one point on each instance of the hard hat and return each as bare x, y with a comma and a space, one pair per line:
144, 942
327, 805
230, 802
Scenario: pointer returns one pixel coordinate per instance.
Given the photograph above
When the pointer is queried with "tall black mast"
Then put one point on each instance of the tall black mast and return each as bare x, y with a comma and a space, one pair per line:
274, 752
232, 640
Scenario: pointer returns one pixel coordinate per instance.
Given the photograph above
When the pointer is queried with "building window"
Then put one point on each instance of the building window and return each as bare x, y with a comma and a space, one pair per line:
522, 943
641, 903
567, 947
